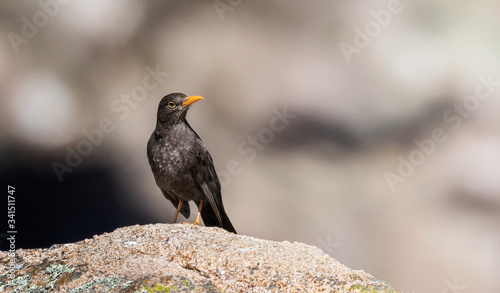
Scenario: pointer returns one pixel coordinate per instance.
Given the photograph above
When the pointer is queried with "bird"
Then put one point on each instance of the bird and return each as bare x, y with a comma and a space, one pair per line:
182, 166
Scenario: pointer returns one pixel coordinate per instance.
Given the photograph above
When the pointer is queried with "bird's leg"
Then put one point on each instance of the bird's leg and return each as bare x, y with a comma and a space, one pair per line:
197, 222
178, 210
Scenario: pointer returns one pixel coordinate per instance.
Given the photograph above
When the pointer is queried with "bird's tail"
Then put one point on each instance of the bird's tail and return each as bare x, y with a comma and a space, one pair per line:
210, 218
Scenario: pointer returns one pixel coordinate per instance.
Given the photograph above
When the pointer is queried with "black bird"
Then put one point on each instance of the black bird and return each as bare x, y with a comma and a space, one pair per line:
182, 166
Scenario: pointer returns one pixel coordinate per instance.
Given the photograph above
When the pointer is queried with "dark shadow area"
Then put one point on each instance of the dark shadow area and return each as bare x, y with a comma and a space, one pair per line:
47, 212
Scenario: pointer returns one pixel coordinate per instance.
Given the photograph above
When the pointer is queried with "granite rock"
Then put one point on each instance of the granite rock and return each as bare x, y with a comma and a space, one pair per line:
180, 258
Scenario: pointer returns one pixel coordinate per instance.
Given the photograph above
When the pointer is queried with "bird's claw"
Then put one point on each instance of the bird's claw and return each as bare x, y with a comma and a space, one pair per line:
194, 223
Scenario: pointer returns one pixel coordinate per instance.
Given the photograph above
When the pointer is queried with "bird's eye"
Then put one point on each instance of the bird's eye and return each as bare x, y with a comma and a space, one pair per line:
171, 105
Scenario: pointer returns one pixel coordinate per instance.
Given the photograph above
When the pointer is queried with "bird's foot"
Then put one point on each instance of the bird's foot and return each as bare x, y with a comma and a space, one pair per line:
197, 222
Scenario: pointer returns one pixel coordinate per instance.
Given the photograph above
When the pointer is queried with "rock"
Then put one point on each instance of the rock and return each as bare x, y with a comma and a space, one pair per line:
180, 258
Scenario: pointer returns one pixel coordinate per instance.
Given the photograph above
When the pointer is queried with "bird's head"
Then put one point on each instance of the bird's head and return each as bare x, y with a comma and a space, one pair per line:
173, 108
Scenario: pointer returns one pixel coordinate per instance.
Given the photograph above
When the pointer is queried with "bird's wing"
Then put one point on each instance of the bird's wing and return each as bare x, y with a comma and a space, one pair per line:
204, 174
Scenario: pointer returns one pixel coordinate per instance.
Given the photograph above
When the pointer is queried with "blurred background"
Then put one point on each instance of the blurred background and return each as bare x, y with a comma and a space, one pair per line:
370, 130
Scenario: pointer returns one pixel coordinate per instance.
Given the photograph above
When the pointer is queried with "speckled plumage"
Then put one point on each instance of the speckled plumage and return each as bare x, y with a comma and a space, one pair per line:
182, 166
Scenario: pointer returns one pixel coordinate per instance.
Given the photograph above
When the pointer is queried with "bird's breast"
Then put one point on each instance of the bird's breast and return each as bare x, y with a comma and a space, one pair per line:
171, 155
170, 160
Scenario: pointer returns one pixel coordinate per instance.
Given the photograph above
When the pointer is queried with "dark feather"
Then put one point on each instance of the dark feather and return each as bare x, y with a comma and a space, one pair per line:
181, 164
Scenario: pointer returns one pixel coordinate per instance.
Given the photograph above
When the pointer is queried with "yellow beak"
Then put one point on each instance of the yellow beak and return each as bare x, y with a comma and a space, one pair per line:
190, 100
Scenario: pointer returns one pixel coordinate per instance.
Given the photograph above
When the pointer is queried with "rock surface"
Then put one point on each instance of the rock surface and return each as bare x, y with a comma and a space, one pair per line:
181, 258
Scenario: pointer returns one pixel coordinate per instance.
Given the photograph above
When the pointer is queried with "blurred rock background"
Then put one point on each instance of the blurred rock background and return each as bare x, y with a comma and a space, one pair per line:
76, 96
